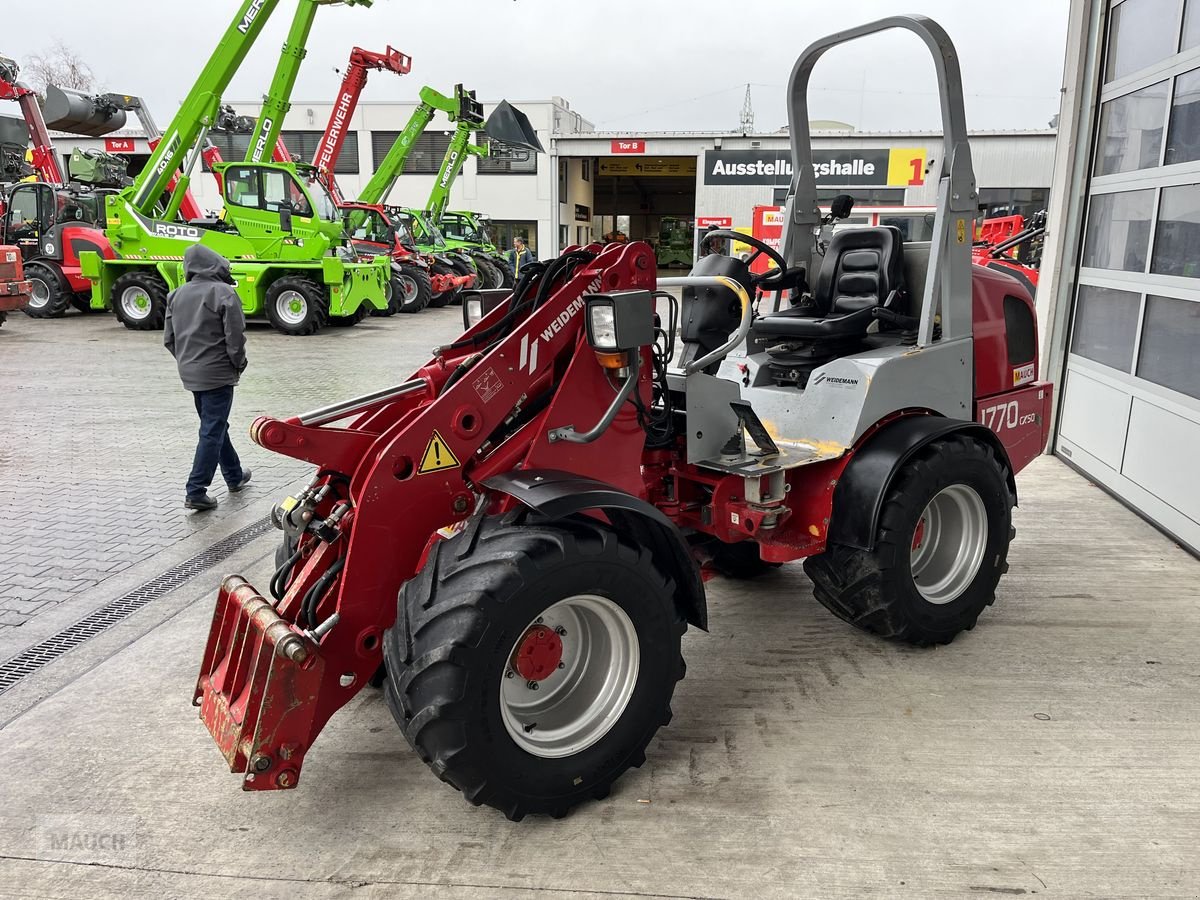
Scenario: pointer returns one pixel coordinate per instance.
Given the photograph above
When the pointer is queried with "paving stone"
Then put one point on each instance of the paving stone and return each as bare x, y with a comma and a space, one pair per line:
99, 434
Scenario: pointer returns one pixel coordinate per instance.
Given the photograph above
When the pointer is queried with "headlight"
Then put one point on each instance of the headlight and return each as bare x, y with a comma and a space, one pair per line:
473, 310
602, 325
476, 304
618, 323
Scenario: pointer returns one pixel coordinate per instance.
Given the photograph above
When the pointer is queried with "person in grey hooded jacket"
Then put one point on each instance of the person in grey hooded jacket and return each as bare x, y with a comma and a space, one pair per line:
206, 333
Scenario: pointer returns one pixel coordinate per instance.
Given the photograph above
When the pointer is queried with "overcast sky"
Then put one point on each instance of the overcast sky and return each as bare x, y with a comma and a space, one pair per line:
624, 65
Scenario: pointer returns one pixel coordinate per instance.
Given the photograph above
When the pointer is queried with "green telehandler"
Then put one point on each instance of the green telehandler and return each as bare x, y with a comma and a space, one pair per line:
281, 230
506, 126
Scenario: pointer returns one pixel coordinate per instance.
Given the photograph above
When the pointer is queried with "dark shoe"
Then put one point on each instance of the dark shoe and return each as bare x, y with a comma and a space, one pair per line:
201, 502
241, 485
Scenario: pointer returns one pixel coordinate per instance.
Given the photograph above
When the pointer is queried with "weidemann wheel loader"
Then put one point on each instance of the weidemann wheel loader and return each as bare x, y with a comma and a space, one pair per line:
513, 531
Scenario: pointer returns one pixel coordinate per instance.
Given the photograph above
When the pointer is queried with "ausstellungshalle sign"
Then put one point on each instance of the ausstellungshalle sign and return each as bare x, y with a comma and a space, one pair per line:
876, 168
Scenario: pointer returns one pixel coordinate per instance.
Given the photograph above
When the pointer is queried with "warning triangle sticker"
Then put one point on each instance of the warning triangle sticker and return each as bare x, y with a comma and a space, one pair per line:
437, 457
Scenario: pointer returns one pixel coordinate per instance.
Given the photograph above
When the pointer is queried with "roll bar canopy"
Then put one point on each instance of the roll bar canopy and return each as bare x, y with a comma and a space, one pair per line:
947, 290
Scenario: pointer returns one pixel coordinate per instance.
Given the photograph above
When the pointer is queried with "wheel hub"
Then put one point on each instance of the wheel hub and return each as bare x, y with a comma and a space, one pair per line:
538, 653
578, 664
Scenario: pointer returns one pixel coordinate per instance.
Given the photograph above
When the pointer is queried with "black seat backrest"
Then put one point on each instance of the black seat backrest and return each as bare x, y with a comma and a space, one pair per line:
862, 266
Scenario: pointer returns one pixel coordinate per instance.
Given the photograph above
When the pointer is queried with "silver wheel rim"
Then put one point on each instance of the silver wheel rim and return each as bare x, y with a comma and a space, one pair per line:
584, 696
409, 286
387, 293
135, 302
291, 307
948, 544
39, 293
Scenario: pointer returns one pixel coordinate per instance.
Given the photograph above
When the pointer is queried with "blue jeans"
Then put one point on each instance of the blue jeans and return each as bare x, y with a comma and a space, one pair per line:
214, 447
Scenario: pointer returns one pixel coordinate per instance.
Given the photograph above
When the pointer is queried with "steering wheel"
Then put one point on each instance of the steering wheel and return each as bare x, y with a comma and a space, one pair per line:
758, 279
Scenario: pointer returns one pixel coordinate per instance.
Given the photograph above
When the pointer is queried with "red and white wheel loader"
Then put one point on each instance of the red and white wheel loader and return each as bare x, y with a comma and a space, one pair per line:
511, 539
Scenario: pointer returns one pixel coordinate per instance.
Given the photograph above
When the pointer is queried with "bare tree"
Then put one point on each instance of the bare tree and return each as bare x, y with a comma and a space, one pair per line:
60, 65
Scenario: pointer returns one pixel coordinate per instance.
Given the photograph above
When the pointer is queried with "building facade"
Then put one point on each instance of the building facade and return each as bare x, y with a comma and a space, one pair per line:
1122, 310
659, 186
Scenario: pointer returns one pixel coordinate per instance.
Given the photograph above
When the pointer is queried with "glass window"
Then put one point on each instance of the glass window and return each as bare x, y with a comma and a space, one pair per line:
1105, 326
23, 223
1191, 25
1142, 33
1025, 202
1178, 235
1131, 130
425, 157
275, 190
1183, 137
1118, 231
503, 159
1170, 336
913, 228
241, 186
303, 145
587, 176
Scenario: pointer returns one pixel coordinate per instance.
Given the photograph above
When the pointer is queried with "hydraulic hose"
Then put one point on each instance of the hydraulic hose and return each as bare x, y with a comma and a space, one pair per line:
313, 598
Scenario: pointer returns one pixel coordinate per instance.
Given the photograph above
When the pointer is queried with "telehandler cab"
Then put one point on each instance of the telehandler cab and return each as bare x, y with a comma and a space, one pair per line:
513, 532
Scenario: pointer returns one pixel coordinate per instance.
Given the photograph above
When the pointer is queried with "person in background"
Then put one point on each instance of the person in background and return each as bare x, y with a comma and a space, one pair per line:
519, 255
205, 331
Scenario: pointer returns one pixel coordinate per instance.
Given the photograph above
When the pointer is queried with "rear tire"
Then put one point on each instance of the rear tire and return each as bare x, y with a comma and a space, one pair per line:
297, 305
941, 547
487, 593
411, 290
49, 294
462, 268
139, 300
506, 271
488, 273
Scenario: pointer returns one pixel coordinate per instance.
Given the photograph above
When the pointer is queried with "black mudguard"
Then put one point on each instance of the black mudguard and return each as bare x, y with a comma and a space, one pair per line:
556, 495
860, 492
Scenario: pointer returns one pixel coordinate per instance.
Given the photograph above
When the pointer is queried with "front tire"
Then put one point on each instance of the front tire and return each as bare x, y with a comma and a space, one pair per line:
297, 305
941, 547
411, 290
498, 599
508, 278
139, 300
49, 294
489, 275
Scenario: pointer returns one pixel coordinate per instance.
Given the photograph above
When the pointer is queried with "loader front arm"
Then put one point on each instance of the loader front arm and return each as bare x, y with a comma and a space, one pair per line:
406, 465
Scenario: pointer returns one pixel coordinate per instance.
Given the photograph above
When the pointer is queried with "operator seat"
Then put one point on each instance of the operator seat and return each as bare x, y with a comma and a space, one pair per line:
863, 269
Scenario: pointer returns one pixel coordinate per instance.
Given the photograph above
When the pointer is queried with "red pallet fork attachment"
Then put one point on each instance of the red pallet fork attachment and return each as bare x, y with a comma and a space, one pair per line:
258, 688
14, 288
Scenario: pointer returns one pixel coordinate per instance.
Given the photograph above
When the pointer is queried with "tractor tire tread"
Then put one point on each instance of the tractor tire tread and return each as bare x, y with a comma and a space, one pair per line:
443, 618
857, 586
56, 282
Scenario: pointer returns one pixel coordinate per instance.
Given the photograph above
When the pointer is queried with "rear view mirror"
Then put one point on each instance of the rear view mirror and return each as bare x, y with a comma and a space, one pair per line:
841, 207
285, 217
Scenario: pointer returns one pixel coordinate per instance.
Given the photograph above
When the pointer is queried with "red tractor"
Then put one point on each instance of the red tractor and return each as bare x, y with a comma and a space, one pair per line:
14, 286
1013, 244
512, 540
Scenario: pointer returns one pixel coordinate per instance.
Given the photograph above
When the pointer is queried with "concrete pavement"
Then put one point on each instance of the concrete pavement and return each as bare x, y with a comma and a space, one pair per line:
1051, 752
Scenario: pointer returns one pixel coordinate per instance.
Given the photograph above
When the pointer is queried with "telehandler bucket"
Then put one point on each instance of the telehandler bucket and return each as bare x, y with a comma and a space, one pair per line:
510, 126
78, 113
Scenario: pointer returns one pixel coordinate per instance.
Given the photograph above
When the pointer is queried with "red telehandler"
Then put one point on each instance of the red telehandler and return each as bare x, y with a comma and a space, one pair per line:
414, 282
55, 219
514, 531
51, 221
